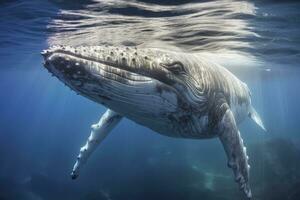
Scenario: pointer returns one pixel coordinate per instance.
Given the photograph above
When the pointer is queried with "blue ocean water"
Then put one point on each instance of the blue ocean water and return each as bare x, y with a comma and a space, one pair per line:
43, 124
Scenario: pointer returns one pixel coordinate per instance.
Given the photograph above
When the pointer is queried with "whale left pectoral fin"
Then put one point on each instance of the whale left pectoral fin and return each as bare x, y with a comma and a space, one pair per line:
235, 150
99, 131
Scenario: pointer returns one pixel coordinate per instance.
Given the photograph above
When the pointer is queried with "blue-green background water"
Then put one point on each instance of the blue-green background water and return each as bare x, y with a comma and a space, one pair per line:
43, 123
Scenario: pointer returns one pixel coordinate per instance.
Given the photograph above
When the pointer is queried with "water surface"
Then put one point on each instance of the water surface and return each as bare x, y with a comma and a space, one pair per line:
43, 123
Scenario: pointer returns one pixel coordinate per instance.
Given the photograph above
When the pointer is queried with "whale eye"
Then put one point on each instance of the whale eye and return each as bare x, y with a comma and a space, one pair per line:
175, 67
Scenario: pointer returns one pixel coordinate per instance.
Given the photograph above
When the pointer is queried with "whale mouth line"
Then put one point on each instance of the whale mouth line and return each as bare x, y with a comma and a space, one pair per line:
78, 56
111, 63
114, 67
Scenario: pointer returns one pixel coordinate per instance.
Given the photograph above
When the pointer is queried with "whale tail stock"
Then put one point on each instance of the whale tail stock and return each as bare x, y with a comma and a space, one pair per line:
256, 118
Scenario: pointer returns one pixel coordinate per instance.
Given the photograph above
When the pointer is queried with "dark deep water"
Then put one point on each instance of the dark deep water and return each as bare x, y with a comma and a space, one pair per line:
43, 124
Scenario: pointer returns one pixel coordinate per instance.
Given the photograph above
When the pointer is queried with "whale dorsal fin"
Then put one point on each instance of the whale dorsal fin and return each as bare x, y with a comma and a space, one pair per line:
255, 117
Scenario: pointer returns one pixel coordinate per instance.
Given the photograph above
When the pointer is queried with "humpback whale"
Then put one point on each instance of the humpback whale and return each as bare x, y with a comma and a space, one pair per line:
173, 93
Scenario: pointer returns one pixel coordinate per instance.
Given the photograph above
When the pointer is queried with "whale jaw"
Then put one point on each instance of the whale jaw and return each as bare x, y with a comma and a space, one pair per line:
104, 76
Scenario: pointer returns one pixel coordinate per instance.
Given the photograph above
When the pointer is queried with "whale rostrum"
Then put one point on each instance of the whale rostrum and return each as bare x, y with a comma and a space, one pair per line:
176, 94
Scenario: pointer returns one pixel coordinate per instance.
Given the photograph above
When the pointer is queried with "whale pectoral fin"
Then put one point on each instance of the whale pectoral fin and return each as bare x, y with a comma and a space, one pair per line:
256, 118
235, 150
99, 131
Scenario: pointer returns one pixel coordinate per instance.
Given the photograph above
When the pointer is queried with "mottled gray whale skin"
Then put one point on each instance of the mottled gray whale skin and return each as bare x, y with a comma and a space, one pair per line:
173, 93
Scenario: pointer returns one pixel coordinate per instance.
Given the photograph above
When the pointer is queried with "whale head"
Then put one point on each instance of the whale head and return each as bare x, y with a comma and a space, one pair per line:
128, 80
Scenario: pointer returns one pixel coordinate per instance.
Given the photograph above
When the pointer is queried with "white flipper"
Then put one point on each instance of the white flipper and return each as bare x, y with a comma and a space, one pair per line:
235, 150
99, 131
255, 117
